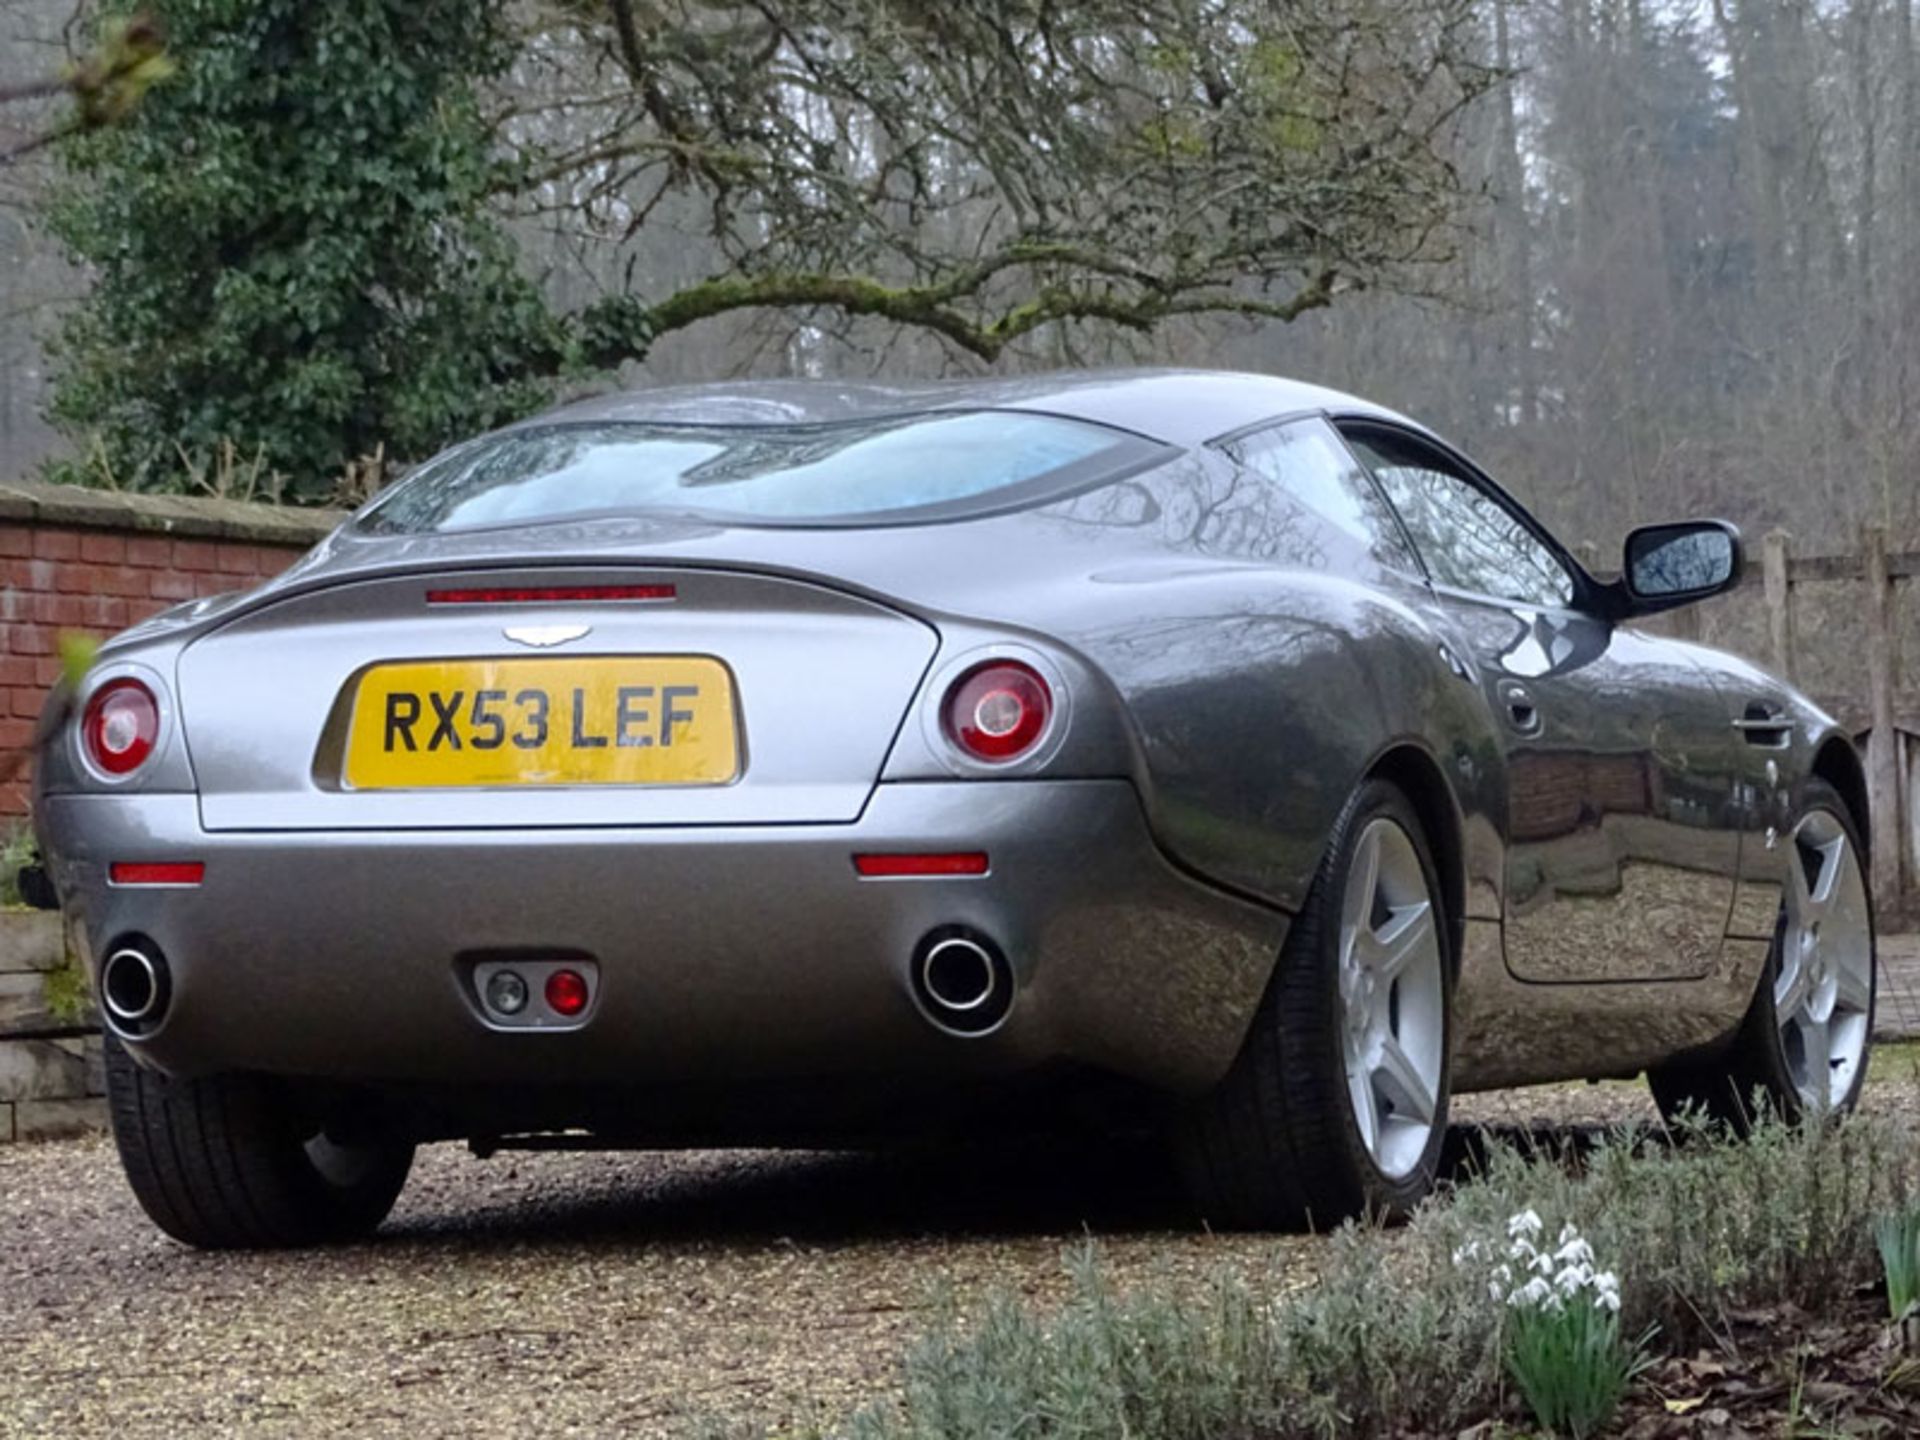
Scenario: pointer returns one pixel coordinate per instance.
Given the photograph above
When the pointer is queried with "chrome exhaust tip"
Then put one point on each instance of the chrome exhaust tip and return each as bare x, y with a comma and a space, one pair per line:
134, 989
963, 983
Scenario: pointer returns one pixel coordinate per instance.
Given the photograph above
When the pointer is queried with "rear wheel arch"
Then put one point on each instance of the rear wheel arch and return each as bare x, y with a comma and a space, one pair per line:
1418, 776
1283, 1141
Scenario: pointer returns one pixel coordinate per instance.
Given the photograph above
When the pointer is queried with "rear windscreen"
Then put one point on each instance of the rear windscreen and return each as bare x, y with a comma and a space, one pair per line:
896, 470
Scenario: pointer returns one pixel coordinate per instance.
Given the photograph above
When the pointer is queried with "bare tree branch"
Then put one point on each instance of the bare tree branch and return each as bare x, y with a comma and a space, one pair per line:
982, 171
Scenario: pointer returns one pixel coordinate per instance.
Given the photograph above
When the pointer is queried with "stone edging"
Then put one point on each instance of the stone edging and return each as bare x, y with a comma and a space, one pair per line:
51, 1077
34, 502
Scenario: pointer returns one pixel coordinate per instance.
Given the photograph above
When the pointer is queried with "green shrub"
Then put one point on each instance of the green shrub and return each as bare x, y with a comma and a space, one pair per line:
1149, 1365
291, 252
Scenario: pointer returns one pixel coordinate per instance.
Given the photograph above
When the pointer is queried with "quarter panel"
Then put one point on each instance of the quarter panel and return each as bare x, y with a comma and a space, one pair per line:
1260, 697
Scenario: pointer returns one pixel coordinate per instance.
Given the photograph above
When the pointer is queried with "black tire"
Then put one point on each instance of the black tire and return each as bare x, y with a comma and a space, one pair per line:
223, 1162
1276, 1145
1723, 1088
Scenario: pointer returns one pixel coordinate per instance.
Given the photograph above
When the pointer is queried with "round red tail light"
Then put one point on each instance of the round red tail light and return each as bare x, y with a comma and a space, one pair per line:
119, 726
567, 992
997, 711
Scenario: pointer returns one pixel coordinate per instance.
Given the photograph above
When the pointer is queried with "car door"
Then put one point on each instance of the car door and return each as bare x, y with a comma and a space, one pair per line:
1622, 852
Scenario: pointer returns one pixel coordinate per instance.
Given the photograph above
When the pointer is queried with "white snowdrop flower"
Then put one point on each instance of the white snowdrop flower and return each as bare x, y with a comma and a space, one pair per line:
1573, 1279
1529, 1260
1468, 1251
1496, 1291
1608, 1300
1573, 1252
1526, 1222
1536, 1291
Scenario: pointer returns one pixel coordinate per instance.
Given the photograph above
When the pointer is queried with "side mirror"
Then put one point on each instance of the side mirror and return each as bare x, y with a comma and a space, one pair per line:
1672, 565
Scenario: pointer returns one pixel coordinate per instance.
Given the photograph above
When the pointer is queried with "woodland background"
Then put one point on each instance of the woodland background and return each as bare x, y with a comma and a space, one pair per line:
1687, 277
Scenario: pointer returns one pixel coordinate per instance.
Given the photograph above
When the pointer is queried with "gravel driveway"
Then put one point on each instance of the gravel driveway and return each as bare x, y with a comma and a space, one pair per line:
577, 1294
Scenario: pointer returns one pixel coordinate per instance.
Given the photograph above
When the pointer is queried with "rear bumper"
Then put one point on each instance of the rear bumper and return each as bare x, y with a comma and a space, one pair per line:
728, 956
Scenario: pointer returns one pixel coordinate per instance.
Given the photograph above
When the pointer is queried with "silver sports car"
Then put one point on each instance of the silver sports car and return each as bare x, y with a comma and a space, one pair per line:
1206, 757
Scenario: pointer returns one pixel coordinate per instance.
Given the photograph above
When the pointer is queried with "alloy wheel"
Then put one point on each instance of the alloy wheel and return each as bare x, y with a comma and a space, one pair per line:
1392, 998
1823, 990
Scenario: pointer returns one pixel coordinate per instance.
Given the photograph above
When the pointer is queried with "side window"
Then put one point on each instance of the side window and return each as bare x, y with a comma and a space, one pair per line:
1307, 461
1469, 540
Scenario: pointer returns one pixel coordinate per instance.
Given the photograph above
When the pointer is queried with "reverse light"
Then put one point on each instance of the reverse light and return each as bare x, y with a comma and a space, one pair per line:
997, 711
966, 862
120, 726
506, 992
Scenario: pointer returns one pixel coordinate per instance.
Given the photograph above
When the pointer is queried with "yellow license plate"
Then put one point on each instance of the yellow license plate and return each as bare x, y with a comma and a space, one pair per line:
607, 720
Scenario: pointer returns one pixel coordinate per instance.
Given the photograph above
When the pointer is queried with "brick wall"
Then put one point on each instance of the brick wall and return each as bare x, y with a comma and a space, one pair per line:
97, 561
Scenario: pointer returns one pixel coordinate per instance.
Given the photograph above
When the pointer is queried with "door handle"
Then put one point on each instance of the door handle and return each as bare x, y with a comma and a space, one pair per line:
1765, 725
1522, 714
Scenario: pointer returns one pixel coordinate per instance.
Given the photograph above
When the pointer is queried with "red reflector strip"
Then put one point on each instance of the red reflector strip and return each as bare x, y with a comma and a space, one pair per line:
162, 872
971, 862
549, 594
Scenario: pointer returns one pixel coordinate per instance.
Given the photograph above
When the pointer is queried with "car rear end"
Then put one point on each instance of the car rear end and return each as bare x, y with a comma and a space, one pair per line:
538, 835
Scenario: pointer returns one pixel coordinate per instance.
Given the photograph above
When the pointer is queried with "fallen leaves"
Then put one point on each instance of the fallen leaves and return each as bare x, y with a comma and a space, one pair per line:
1781, 1371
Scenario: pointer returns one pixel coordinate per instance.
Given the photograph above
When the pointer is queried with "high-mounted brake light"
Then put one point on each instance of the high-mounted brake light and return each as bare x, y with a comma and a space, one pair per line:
997, 711
548, 594
876, 867
120, 725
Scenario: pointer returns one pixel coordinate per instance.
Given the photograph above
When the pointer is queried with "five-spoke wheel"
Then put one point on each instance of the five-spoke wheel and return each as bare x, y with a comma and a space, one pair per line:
1823, 983
1393, 994
1802, 1049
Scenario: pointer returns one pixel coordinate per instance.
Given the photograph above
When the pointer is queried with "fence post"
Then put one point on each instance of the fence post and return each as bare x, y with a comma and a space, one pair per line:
1883, 778
1773, 575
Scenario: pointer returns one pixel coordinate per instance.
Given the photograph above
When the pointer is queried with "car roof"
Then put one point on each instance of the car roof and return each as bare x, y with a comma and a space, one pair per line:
1178, 407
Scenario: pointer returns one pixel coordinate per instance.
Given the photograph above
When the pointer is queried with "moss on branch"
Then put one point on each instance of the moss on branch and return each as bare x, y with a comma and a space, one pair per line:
623, 328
